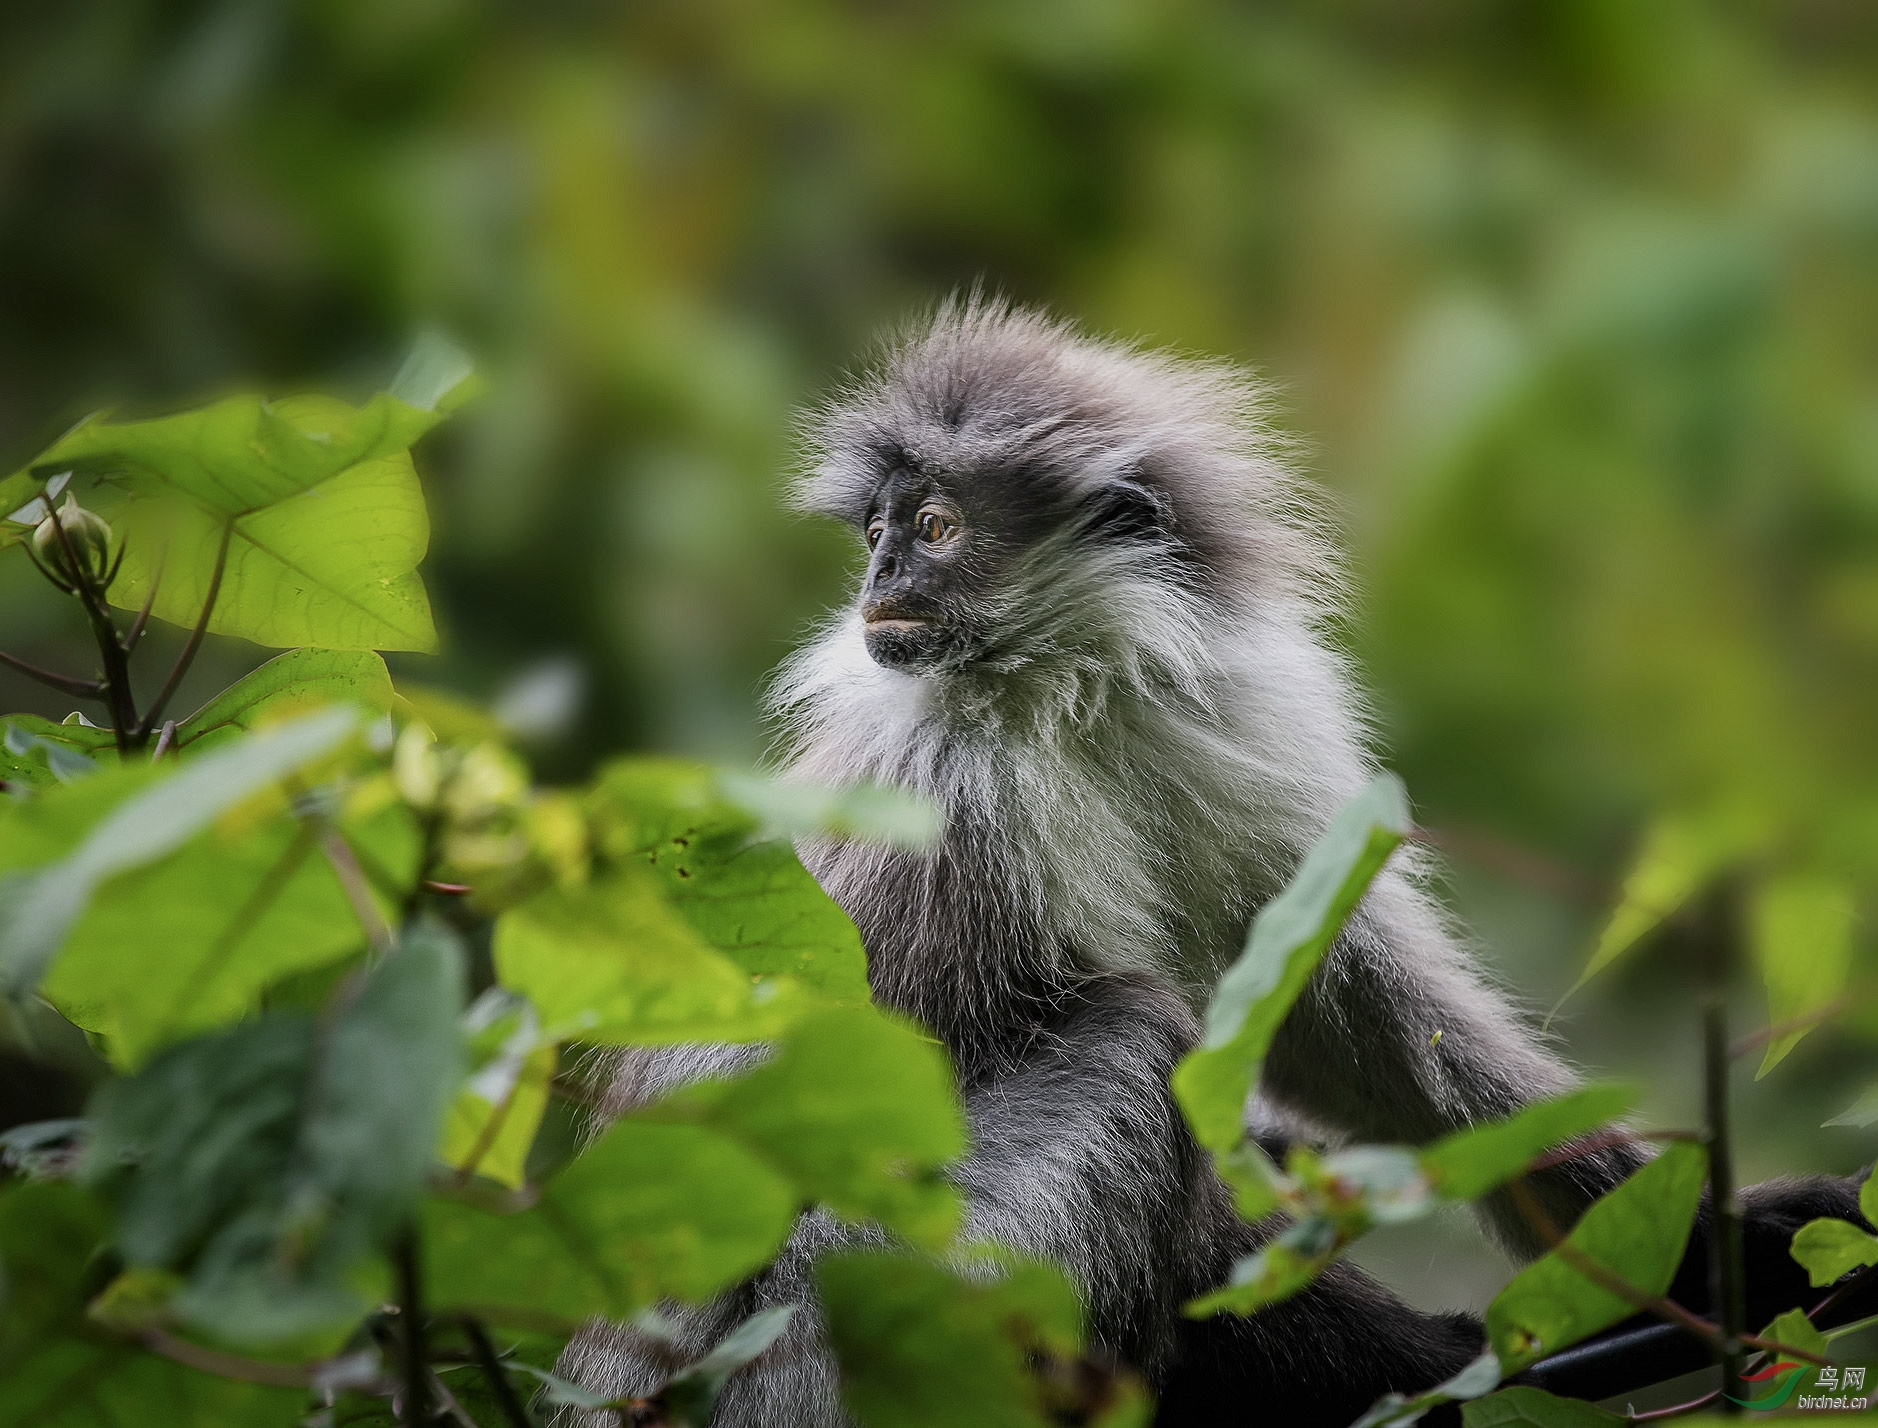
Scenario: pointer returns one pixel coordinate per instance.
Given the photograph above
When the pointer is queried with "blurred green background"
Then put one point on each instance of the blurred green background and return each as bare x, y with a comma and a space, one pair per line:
1573, 305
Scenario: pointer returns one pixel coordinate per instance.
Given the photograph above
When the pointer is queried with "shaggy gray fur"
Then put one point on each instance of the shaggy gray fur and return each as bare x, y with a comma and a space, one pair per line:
1146, 737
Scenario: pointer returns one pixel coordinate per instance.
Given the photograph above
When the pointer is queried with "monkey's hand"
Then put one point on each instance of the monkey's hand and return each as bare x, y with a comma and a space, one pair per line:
1770, 1214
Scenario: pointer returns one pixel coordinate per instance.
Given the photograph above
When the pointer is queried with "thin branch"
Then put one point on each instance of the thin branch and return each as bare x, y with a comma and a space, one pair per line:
227, 1365
164, 740
1844, 1291
1516, 864
352, 879
183, 660
417, 1383
1676, 1410
65, 683
1603, 1140
1727, 1281
499, 1384
1793, 1023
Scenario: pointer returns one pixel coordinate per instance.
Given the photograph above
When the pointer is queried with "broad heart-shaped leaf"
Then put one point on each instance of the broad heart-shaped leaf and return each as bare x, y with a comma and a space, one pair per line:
191, 941
152, 819
858, 1110
610, 961
748, 897
326, 521
268, 1161
60, 1370
286, 685
37, 753
1636, 1233
1829, 1248
334, 566
648, 1212
1469, 1163
921, 1348
1800, 926
1521, 1407
1289, 938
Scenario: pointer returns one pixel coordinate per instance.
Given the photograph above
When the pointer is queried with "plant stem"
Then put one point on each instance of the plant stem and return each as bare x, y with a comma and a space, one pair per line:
116, 684
1726, 1284
183, 660
82, 688
492, 1370
135, 632
415, 1408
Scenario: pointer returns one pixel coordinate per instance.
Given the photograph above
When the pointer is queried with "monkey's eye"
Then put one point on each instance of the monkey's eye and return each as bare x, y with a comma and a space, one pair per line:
932, 527
875, 529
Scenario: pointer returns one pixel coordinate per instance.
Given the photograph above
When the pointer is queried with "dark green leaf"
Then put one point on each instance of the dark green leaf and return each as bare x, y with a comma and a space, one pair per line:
267, 1161
1469, 1163
1534, 1408
1636, 1233
859, 1110
921, 1348
649, 1212
60, 1370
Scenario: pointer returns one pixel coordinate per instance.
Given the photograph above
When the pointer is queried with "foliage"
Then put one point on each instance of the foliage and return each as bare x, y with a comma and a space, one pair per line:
339, 958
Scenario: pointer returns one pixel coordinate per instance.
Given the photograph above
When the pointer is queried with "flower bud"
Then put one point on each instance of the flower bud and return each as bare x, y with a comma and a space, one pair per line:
88, 535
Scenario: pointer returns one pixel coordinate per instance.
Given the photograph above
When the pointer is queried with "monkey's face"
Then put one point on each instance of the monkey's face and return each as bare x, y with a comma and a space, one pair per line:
927, 562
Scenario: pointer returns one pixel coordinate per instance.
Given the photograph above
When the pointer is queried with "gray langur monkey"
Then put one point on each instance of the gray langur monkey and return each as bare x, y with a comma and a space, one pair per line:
1091, 629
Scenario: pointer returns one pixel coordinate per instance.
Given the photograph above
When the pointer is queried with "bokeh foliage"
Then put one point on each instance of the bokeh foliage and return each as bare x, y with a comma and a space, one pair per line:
1570, 299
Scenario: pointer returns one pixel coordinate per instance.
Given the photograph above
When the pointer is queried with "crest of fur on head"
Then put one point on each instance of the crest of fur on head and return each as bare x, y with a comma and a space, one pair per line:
1006, 397
1151, 728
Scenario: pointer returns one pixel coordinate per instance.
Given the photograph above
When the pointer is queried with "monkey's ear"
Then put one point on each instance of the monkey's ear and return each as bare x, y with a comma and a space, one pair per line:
1127, 511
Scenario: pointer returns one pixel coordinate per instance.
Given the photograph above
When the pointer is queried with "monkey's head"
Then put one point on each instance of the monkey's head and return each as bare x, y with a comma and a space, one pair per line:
1021, 489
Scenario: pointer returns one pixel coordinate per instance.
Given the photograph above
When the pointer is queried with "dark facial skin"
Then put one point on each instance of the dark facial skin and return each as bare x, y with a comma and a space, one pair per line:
925, 561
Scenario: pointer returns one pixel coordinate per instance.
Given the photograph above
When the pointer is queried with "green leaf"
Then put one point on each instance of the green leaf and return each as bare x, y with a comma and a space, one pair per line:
610, 961
859, 1110
1289, 937
492, 1122
1800, 927
922, 1348
320, 502
58, 1369
1469, 1163
1796, 1331
649, 1212
437, 376
1827, 1249
1861, 1113
35, 752
1521, 1407
1299, 1253
333, 567
1636, 1233
289, 684
16, 491
152, 821
193, 941
748, 897
268, 1161
1393, 1410
1680, 855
